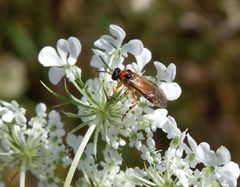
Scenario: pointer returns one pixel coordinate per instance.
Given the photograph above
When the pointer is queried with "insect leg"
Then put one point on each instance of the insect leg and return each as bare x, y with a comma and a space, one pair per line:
119, 84
134, 98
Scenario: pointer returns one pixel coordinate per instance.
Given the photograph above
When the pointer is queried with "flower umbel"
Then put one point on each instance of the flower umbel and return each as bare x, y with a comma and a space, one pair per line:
34, 146
105, 110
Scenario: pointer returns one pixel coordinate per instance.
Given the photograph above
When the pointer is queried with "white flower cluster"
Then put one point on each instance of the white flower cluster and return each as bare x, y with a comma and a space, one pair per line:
184, 163
37, 144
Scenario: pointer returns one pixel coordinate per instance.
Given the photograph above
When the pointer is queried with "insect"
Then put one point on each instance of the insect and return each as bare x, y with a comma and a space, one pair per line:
139, 84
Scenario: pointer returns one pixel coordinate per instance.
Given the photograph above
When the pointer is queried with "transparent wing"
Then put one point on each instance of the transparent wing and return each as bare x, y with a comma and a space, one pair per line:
148, 89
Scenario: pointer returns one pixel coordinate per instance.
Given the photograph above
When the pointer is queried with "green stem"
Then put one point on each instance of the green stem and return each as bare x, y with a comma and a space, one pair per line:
22, 174
85, 93
78, 155
145, 181
5, 154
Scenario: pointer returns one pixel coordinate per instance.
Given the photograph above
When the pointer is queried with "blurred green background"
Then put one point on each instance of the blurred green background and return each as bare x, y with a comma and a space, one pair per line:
201, 37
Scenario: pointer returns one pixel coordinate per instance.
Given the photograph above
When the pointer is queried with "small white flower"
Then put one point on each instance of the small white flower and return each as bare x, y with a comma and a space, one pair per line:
11, 111
228, 174
192, 143
149, 132
158, 118
41, 109
191, 151
171, 128
112, 156
61, 60
164, 73
73, 141
55, 127
142, 59
209, 158
204, 154
112, 51
171, 90
7, 116
151, 144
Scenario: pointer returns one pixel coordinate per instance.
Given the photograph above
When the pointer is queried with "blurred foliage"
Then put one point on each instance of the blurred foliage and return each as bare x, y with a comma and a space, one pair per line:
201, 37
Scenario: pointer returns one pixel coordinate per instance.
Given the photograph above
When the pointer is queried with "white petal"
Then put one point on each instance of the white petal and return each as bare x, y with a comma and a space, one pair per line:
96, 62
8, 117
98, 58
117, 62
205, 155
222, 155
13, 105
158, 117
41, 108
60, 132
143, 58
62, 48
171, 72
118, 33
49, 57
55, 74
103, 44
160, 68
172, 91
151, 144
135, 47
134, 67
3, 110
230, 169
21, 119
165, 73
192, 143
74, 141
210, 158
74, 47
71, 140
111, 40
171, 128
138, 144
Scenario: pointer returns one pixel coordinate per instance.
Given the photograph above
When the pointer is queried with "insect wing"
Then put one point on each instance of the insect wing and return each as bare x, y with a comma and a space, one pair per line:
149, 90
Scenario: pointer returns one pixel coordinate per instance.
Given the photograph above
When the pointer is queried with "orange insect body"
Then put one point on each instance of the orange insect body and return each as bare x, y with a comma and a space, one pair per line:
141, 85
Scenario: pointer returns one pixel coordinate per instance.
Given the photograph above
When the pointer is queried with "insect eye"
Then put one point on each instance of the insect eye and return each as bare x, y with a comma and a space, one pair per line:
128, 76
116, 74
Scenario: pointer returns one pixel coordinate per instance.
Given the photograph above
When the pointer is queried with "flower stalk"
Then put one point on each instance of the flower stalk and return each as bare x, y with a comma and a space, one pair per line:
78, 155
22, 174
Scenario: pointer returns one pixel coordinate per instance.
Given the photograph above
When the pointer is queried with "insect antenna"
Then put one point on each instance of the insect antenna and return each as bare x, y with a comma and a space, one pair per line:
99, 71
105, 63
